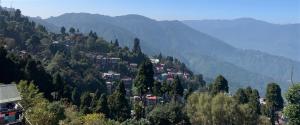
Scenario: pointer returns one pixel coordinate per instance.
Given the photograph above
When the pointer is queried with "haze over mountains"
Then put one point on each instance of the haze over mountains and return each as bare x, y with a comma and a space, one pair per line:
248, 33
203, 53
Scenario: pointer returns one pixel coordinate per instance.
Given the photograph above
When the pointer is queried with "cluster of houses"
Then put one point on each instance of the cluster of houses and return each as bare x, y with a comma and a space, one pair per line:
163, 72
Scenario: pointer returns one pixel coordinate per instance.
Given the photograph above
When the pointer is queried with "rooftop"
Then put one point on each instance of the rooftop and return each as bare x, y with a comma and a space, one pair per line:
9, 93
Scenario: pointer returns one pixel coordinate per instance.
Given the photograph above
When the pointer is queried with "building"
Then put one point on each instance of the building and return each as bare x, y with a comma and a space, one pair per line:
154, 61
11, 111
111, 76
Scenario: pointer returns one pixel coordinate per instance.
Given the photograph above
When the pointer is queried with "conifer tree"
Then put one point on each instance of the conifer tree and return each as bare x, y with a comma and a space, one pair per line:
118, 104
177, 88
220, 85
144, 79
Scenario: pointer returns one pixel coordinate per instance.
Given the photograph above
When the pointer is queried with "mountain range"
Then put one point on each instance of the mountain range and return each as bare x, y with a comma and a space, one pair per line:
202, 52
249, 33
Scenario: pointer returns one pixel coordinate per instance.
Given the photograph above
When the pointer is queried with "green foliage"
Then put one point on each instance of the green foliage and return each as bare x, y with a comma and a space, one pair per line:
241, 96
144, 78
293, 94
136, 122
30, 94
136, 46
248, 96
157, 88
139, 110
220, 85
118, 104
250, 115
203, 108
63, 30
168, 114
72, 30
102, 105
38, 109
292, 110
97, 119
177, 88
274, 99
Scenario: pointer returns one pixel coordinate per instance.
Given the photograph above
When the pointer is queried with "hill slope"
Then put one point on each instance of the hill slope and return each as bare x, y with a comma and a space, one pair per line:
282, 40
203, 53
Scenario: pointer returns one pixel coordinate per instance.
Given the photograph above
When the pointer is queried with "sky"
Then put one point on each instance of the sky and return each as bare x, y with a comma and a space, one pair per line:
275, 11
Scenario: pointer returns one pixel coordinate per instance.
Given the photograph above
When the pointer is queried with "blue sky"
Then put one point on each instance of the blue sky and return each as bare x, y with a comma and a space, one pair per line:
276, 11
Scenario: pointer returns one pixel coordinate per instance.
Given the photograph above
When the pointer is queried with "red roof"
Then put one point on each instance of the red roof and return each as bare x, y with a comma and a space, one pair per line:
152, 97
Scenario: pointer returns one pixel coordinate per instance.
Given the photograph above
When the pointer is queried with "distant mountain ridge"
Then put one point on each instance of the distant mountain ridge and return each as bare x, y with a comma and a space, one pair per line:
201, 52
249, 33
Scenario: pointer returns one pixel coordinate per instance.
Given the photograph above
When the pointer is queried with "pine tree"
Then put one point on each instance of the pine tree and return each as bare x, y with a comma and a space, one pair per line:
116, 44
220, 85
136, 46
102, 105
157, 88
273, 97
240, 96
58, 85
274, 101
254, 101
118, 104
144, 79
177, 88
63, 30
72, 30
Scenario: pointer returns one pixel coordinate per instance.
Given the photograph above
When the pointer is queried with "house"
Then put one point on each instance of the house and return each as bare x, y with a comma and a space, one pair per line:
262, 101
10, 109
154, 61
133, 66
153, 100
111, 76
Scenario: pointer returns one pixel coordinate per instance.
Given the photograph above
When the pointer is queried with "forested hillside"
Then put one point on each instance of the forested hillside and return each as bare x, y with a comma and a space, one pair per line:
202, 53
72, 78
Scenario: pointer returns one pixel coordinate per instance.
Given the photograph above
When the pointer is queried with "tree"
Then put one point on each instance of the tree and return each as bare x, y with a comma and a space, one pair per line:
205, 109
85, 103
220, 85
63, 30
157, 88
29, 93
250, 115
254, 101
102, 106
240, 96
200, 80
273, 97
116, 44
144, 78
38, 109
139, 110
168, 114
177, 89
292, 110
274, 100
72, 30
165, 88
18, 14
136, 46
58, 85
34, 41
97, 119
118, 104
